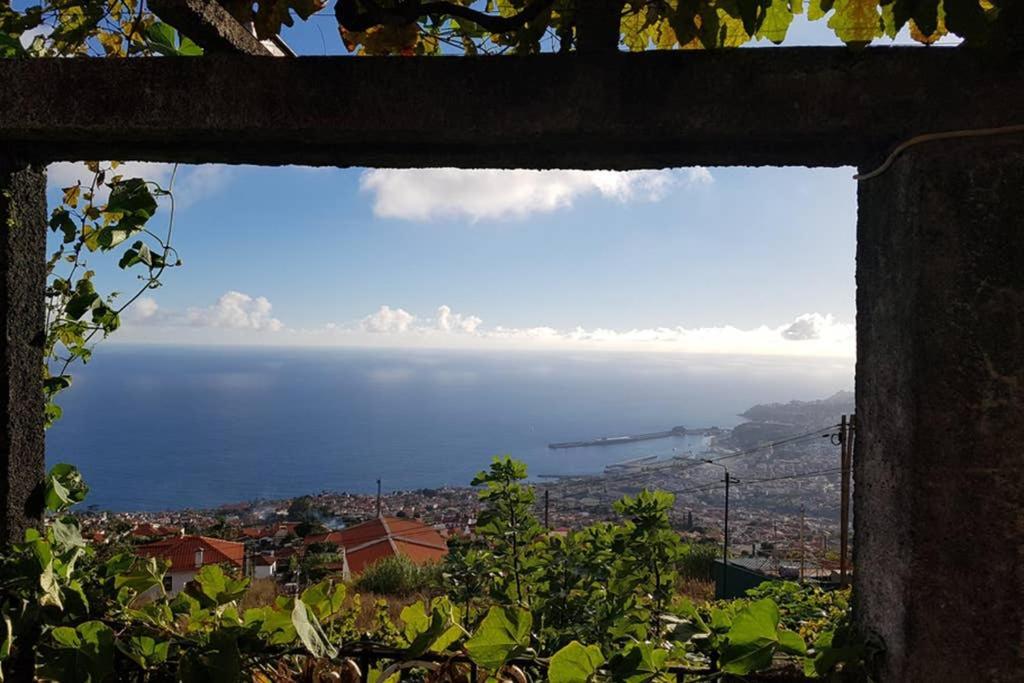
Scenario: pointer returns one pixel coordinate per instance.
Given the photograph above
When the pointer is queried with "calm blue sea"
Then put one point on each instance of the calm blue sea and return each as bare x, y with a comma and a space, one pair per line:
162, 428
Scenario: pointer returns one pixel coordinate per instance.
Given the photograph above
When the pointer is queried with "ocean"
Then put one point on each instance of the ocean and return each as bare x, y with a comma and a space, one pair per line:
156, 428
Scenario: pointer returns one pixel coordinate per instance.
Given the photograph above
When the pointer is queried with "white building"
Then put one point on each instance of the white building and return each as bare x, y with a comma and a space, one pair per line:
189, 554
264, 566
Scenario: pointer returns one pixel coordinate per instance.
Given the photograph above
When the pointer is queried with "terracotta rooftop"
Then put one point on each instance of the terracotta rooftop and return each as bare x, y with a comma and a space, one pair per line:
182, 551
147, 530
382, 537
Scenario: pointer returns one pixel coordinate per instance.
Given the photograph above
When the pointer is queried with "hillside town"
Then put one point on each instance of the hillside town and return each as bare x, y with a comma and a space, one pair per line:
784, 503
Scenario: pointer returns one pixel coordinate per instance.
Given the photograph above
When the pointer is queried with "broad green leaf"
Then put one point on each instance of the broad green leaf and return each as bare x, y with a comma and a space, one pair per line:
187, 48
97, 650
502, 635
856, 21
325, 599
416, 620
776, 21
54, 385
640, 663
791, 643
432, 632
71, 480
216, 587
575, 663
80, 303
131, 197
61, 220
275, 624
752, 639
160, 37
143, 574
145, 651
816, 9
720, 620
65, 636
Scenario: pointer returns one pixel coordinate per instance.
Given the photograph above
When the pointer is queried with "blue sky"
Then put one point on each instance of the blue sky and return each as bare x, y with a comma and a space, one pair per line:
546, 257
719, 260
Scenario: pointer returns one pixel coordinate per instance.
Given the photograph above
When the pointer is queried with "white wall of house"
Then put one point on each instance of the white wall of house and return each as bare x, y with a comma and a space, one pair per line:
179, 580
174, 583
265, 571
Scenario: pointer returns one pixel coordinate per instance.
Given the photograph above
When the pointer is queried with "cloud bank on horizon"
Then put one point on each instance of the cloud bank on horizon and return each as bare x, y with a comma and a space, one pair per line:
238, 318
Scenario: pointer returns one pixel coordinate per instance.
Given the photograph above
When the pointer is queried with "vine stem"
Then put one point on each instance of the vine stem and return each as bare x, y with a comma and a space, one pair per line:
167, 249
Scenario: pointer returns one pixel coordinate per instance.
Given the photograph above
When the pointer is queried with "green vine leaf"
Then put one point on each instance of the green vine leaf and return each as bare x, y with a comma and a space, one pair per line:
575, 663
64, 487
752, 639
502, 635
213, 588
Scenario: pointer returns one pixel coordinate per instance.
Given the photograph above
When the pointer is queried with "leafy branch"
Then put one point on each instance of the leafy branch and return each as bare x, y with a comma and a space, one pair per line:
75, 312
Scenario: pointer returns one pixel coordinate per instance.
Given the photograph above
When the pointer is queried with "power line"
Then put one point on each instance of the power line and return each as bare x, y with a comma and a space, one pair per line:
758, 448
716, 485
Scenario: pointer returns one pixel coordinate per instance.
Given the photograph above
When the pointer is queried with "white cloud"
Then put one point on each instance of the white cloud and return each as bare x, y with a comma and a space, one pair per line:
699, 175
240, 318
811, 334
493, 194
235, 318
144, 308
236, 310
192, 184
447, 321
808, 326
196, 183
387, 320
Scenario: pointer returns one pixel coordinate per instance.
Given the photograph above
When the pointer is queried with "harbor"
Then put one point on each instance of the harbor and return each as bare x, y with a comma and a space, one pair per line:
616, 440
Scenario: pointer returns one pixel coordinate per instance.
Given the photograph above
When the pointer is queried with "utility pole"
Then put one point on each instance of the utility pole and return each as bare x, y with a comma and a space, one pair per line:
547, 509
845, 463
378, 498
725, 541
801, 544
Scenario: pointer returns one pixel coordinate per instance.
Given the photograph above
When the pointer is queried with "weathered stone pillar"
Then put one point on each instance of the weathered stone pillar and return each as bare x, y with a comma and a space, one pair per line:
939, 461
22, 315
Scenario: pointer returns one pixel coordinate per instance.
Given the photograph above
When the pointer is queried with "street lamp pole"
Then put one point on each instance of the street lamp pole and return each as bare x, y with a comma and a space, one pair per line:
725, 542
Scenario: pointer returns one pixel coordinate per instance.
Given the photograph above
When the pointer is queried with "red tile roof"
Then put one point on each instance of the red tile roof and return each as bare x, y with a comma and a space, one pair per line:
182, 551
382, 537
269, 531
147, 530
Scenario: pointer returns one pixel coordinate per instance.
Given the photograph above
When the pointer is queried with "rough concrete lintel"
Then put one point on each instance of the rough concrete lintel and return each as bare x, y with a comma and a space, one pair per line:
210, 26
778, 106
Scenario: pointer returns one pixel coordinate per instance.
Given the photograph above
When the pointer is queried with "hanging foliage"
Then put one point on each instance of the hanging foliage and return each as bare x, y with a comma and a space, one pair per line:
529, 26
122, 28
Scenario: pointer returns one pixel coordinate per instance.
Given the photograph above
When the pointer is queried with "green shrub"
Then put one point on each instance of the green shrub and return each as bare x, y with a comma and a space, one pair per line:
398, 575
697, 561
